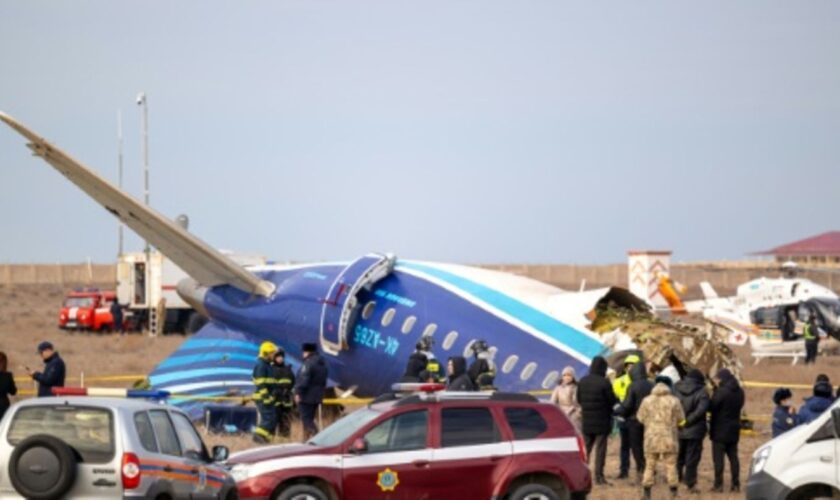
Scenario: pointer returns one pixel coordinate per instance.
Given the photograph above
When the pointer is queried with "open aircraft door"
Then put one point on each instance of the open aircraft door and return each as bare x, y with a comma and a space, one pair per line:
341, 305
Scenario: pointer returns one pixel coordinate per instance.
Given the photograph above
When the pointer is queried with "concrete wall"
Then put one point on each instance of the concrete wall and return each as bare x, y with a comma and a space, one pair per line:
724, 277
57, 274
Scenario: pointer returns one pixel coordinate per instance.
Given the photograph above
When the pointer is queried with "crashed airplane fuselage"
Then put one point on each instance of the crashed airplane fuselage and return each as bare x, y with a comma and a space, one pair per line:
366, 315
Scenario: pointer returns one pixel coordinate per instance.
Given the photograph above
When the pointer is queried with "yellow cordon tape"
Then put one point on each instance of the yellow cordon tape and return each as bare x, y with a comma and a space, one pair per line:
773, 385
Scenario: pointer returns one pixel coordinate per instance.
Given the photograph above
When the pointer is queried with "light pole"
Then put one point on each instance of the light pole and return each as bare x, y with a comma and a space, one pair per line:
142, 101
120, 171
144, 125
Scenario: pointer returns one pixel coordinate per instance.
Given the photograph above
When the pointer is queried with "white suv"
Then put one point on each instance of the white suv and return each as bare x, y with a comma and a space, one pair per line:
97, 448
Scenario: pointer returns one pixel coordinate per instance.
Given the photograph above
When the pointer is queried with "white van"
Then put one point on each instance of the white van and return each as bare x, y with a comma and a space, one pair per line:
804, 462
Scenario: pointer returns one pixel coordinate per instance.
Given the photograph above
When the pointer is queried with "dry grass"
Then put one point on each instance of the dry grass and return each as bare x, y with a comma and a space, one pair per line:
30, 315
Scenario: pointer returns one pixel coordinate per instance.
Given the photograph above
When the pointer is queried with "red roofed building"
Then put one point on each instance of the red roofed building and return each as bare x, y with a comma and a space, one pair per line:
821, 249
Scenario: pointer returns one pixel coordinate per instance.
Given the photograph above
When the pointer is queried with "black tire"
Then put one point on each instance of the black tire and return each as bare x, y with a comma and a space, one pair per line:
301, 492
534, 491
195, 322
42, 467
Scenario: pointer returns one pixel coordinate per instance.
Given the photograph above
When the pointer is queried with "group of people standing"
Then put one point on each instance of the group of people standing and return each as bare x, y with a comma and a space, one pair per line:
422, 366
53, 375
278, 390
658, 421
785, 415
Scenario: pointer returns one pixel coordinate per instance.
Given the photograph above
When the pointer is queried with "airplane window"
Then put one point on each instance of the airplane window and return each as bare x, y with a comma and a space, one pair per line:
388, 317
408, 324
468, 348
529, 370
510, 363
450, 339
550, 379
430, 330
367, 312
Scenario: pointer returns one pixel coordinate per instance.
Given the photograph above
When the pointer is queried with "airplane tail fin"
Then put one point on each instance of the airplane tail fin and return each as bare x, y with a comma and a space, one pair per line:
708, 291
215, 364
198, 259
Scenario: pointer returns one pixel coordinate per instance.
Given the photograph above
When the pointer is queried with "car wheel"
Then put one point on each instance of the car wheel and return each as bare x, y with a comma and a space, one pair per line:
301, 492
534, 492
42, 468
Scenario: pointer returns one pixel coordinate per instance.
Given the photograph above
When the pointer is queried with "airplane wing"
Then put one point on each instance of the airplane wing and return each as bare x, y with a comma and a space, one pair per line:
201, 261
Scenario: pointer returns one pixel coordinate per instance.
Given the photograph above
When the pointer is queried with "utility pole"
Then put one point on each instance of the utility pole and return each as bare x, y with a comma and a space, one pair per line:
120, 172
143, 102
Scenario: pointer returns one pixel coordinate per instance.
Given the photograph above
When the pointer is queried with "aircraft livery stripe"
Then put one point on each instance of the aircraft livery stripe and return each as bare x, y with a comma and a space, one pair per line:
226, 384
218, 342
534, 318
209, 356
157, 380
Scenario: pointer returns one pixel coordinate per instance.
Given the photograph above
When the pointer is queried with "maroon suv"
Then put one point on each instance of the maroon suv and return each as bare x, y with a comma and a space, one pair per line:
427, 445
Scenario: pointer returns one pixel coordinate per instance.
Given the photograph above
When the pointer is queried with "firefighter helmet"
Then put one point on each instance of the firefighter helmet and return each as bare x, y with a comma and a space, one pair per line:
267, 349
425, 343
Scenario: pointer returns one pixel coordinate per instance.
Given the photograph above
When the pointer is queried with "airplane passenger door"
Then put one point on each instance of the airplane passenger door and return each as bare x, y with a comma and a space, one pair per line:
341, 304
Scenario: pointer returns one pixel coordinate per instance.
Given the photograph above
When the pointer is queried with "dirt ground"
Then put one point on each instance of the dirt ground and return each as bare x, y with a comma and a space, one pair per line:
29, 315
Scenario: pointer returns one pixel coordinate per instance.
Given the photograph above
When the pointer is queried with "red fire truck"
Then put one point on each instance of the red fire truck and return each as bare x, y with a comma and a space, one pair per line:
87, 309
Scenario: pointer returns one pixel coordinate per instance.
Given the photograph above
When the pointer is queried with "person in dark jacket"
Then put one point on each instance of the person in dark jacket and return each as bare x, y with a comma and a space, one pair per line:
784, 416
691, 391
818, 403
459, 380
725, 432
309, 387
637, 391
54, 370
482, 371
284, 383
597, 399
117, 315
7, 385
416, 364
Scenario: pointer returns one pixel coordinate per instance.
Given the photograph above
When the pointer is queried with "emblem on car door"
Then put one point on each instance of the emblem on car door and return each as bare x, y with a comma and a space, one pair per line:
388, 480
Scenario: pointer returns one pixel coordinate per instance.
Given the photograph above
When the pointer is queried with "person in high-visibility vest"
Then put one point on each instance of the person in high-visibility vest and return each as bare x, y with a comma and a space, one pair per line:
812, 338
264, 386
620, 386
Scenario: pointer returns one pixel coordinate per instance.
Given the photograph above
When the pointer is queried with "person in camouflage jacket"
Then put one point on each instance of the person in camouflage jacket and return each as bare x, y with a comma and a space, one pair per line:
661, 414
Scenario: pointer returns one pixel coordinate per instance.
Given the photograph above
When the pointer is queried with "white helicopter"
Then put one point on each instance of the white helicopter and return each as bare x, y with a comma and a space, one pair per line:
765, 305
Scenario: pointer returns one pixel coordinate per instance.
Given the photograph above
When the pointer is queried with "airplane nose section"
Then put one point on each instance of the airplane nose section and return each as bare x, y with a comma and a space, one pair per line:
193, 294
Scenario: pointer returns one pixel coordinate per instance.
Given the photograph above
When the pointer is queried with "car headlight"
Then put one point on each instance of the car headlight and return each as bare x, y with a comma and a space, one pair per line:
239, 472
760, 459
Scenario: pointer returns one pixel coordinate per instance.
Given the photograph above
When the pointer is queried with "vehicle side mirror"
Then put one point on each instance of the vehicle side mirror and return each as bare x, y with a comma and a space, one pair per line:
835, 419
220, 453
359, 447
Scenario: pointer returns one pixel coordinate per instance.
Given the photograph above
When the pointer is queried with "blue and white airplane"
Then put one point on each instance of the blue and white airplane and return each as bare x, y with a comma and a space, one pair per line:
366, 315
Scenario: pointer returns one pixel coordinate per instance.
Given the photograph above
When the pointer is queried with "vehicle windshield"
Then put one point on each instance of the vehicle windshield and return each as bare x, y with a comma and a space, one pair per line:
79, 302
344, 427
89, 431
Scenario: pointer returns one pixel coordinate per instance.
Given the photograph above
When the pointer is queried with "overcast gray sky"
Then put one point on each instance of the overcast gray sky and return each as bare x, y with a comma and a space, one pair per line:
467, 131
